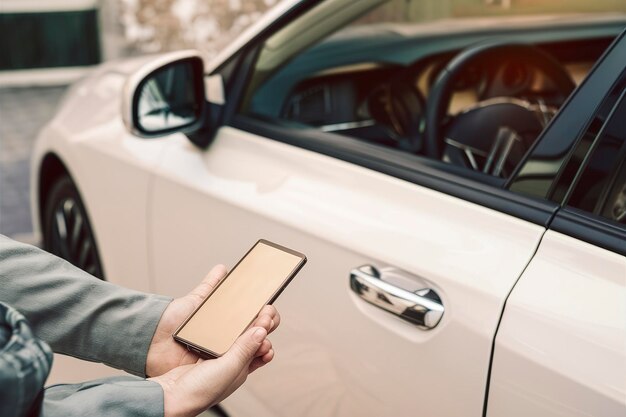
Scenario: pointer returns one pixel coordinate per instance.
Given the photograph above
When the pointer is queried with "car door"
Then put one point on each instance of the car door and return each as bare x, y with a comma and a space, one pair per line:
561, 346
380, 228
336, 353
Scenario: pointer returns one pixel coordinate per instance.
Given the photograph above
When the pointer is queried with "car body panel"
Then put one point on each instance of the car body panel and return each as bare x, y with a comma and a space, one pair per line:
337, 354
561, 346
110, 167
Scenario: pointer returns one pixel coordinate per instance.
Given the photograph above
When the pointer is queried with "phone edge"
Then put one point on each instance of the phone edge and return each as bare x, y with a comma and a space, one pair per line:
201, 350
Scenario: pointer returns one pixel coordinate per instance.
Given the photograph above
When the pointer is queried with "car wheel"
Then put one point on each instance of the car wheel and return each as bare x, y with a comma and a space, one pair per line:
67, 232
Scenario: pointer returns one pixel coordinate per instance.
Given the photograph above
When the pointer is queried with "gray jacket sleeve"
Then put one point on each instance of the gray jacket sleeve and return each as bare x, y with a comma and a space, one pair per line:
123, 396
77, 314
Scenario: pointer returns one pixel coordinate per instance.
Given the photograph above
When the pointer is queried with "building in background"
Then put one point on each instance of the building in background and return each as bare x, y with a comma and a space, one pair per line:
54, 42
48, 41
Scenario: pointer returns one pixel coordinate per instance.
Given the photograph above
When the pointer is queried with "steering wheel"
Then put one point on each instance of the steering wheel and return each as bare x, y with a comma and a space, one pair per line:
489, 117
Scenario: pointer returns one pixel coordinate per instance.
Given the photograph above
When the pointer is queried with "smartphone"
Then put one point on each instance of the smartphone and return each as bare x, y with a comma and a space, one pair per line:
257, 279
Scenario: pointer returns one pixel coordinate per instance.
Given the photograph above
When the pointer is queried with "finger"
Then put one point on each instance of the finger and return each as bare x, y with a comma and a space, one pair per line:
269, 356
209, 282
264, 321
255, 364
230, 370
265, 347
261, 361
271, 311
243, 350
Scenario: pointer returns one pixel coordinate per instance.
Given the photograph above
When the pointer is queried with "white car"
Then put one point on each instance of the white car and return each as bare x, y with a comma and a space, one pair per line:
467, 247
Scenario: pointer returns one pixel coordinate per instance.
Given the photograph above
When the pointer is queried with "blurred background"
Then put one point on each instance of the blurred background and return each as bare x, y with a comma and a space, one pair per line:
45, 45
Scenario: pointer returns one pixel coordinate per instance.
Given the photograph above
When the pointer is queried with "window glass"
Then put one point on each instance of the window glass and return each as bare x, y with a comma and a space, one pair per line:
364, 69
601, 187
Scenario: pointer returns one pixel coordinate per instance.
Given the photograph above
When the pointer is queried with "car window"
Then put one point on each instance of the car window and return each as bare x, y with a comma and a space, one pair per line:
568, 172
600, 187
558, 180
365, 70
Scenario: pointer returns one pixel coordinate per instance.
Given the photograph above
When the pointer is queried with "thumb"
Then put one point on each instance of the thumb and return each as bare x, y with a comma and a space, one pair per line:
243, 350
215, 275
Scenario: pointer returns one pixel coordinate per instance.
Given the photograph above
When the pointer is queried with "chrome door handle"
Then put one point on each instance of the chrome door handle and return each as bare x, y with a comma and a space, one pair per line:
422, 308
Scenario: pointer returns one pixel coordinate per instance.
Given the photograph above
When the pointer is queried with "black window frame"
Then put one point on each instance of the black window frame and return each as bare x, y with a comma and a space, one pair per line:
574, 117
570, 125
589, 226
574, 185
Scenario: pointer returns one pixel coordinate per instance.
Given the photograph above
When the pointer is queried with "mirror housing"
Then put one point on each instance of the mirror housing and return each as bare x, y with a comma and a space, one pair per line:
166, 95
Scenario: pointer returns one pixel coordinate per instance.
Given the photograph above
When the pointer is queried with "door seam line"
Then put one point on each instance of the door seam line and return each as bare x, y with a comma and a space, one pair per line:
506, 299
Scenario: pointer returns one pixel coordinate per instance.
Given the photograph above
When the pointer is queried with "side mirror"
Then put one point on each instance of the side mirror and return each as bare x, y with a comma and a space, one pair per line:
166, 95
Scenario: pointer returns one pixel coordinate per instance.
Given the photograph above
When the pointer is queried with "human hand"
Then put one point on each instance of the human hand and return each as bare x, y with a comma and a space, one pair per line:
165, 354
190, 389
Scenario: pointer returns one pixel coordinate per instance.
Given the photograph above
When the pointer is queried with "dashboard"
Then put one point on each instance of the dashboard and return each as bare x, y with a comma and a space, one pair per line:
384, 103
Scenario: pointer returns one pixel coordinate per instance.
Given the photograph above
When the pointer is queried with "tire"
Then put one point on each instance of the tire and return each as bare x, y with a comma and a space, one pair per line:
66, 228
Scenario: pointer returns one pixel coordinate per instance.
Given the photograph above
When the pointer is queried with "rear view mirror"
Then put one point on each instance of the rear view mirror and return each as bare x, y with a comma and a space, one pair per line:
168, 98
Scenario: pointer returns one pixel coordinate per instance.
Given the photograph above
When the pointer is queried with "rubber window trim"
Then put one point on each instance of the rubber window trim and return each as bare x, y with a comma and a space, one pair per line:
436, 175
591, 229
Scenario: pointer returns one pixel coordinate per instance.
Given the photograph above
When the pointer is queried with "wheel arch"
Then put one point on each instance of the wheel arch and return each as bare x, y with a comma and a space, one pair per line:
51, 169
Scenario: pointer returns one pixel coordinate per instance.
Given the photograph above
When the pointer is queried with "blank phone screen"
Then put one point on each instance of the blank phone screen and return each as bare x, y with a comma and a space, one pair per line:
232, 306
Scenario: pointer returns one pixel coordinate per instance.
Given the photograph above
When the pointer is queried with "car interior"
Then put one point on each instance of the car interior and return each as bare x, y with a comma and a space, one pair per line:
453, 95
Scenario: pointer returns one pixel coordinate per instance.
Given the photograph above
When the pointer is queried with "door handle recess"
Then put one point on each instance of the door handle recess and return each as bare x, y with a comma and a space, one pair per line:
422, 308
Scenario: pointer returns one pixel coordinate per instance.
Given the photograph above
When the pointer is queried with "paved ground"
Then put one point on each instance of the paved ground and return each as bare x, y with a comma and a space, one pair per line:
23, 112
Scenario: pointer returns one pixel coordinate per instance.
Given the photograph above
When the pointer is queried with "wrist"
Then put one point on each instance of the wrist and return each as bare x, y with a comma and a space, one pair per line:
158, 353
174, 404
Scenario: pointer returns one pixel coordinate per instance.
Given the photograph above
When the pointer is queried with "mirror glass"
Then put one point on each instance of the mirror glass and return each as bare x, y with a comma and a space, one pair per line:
170, 98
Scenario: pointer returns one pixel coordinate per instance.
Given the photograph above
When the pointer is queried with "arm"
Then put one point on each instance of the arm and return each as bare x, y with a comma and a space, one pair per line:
91, 319
184, 391
78, 314
25, 362
117, 396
